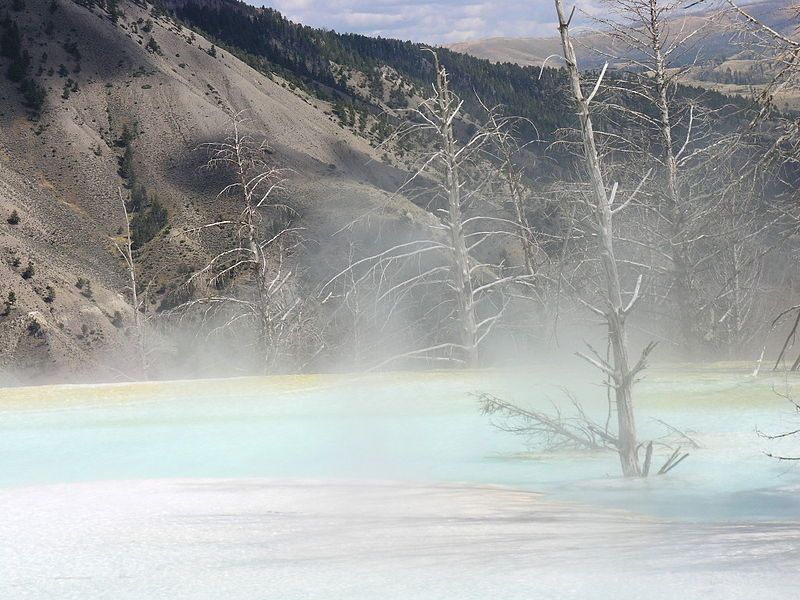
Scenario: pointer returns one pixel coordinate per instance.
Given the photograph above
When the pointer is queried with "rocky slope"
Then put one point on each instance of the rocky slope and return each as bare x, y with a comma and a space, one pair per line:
105, 80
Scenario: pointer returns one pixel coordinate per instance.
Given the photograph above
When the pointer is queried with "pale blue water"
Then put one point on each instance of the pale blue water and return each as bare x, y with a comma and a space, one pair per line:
426, 430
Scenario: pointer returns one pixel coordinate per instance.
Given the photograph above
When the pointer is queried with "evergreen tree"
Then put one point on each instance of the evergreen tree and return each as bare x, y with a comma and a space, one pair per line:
9, 303
129, 133
138, 199
152, 46
126, 164
146, 224
34, 94
113, 10
11, 41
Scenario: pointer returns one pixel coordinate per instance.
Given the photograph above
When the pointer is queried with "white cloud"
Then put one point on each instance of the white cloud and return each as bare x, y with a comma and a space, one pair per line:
430, 21
361, 20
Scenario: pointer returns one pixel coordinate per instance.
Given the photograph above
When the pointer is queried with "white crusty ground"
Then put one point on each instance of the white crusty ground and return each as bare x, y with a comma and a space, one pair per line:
285, 540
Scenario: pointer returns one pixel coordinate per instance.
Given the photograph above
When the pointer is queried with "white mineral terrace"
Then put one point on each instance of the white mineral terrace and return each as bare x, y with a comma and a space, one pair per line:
241, 539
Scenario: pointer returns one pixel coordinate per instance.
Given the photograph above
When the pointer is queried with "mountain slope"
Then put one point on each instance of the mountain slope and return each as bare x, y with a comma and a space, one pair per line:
375, 76
61, 173
326, 61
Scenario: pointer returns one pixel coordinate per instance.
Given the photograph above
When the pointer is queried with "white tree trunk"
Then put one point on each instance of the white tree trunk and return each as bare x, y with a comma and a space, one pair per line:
460, 254
615, 312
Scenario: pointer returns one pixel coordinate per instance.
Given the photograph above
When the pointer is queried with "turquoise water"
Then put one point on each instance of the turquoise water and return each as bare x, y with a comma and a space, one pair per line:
406, 428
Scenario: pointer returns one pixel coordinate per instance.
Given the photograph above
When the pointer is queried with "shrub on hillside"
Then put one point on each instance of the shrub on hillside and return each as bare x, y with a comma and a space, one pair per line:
152, 46
29, 271
34, 328
85, 286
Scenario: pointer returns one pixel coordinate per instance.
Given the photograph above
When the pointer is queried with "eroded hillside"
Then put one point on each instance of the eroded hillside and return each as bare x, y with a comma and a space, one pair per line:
129, 100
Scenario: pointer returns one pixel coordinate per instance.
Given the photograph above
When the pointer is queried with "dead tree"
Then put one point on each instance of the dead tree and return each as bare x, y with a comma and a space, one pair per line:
454, 176
447, 106
734, 294
645, 32
508, 150
577, 431
621, 372
250, 284
786, 435
791, 338
781, 54
675, 135
138, 296
556, 431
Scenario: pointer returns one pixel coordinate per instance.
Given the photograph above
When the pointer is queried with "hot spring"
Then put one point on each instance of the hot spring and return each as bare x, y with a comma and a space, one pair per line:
390, 486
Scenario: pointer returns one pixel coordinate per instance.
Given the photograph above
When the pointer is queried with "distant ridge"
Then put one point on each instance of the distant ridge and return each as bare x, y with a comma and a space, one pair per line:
717, 43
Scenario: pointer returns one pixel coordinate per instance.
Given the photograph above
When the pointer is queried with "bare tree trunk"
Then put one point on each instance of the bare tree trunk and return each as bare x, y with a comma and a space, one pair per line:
138, 324
680, 267
242, 164
528, 248
259, 266
461, 262
616, 312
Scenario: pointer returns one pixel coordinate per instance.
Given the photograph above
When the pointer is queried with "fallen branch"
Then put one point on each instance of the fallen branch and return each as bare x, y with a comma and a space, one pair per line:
558, 431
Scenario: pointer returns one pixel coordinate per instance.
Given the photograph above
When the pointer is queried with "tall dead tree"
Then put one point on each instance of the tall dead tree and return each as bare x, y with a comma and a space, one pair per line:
780, 53
673, 133
644, 31
620, 370
138, 298
454, 174
447, 106
249, 285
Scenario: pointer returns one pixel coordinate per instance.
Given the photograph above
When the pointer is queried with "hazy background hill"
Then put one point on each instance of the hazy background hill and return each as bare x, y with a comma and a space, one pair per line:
719, 58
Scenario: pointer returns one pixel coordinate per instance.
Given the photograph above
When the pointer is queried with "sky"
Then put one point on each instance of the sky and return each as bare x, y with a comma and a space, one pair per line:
429, 21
